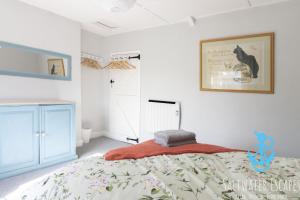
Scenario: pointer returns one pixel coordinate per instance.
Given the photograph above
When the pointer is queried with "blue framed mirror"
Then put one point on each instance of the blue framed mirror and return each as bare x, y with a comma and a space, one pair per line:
19, 60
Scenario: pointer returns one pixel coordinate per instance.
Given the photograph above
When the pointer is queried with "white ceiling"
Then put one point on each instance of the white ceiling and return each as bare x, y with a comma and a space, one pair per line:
145, 14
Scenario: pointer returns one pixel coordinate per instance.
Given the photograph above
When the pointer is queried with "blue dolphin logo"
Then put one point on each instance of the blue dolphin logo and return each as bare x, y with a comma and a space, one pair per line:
261, 160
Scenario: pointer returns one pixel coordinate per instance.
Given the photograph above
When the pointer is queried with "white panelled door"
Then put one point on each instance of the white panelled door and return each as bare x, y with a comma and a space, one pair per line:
124, 103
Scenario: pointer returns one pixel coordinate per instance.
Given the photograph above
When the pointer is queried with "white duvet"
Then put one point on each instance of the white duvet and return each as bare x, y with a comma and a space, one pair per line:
185, 176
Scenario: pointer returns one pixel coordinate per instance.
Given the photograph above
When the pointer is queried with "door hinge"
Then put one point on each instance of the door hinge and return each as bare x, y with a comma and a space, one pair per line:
136, 140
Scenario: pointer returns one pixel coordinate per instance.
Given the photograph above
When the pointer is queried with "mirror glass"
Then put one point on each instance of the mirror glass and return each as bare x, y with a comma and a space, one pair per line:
19, 60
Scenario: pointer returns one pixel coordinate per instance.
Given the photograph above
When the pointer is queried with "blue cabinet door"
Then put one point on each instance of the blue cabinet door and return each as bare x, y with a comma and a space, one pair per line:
19, 138
57, 136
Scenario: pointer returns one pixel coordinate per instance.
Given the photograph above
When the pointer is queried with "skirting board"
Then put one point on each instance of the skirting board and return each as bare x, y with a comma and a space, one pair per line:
117, 137
95, 134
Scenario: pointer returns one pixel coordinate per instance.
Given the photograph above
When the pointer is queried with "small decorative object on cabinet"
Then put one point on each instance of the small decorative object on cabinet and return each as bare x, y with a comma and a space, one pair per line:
35, 134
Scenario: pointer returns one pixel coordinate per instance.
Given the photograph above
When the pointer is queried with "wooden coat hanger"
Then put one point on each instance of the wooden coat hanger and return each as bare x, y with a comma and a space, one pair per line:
128, 65
119, 64
90, 63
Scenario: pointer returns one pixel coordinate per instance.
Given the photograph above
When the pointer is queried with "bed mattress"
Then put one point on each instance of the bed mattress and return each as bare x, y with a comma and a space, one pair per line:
185, 176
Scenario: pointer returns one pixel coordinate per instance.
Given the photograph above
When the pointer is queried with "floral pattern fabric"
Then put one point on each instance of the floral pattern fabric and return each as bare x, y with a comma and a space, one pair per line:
178, 177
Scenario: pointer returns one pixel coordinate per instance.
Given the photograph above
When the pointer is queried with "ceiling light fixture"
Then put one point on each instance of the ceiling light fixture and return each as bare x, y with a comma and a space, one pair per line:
118, 5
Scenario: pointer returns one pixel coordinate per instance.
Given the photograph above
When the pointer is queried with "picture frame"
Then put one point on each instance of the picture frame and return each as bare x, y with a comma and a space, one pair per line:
238, 64
56, 67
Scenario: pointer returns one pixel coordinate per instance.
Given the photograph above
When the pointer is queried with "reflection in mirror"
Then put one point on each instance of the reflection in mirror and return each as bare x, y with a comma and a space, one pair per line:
25, 61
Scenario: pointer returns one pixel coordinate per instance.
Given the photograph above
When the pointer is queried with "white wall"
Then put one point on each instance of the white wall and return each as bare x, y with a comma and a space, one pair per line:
170, 70
29, 26
93, 91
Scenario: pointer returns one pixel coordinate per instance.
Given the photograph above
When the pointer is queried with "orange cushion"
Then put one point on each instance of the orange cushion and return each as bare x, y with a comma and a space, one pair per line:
150, 148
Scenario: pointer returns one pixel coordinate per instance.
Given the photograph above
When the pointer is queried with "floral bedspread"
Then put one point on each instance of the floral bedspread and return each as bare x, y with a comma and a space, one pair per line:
186, 176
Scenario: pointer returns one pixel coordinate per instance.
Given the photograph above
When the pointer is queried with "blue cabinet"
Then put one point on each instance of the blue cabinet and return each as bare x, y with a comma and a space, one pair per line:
35, 136
57, 131
19, 141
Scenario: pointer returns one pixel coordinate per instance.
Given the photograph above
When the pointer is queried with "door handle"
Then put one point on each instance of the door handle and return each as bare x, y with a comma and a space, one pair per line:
111, 82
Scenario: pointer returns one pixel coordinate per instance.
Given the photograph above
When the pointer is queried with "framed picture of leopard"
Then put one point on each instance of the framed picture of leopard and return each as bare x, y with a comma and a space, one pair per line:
238, 64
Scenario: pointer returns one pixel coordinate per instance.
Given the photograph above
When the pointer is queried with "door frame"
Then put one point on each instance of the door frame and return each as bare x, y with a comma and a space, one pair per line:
113, 135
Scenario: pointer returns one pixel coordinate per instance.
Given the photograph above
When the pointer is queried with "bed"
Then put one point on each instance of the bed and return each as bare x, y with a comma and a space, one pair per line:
188, 176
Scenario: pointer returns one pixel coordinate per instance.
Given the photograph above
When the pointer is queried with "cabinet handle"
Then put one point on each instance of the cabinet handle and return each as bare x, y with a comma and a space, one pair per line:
44, 134
37, 134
